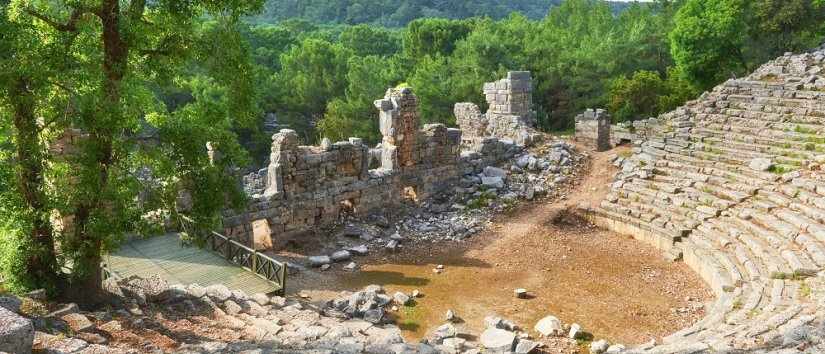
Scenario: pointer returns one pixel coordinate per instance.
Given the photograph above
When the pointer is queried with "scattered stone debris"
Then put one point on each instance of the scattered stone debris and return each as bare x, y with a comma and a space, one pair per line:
466, 210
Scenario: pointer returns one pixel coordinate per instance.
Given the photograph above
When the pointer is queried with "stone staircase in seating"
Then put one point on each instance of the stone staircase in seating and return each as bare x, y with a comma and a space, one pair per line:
755, 234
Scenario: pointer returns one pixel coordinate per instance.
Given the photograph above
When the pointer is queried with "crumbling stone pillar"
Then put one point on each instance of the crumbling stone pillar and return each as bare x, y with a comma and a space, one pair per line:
509, 116
399, 122
511, 96
284, 148
593, 129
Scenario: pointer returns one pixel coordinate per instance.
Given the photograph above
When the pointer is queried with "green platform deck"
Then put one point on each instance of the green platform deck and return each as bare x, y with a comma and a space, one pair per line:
166, 257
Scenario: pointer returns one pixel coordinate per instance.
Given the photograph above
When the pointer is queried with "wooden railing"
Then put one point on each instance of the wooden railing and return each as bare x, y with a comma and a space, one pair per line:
262, 265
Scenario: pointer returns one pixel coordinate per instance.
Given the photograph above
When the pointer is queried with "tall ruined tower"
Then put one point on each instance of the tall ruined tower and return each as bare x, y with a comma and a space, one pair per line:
399, 123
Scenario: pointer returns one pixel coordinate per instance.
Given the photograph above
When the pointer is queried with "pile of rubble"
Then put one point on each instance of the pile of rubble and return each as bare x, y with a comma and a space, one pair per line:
537, 173
148, 315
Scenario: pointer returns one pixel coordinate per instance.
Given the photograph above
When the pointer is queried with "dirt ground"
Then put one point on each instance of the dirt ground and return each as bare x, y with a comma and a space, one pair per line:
613, 286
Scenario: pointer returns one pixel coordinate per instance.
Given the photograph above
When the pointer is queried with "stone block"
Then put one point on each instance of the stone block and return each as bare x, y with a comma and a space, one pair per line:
16, 332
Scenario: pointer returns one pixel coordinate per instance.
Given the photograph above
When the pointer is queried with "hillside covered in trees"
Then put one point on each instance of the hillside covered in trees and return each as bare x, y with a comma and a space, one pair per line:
400, 13
647, 59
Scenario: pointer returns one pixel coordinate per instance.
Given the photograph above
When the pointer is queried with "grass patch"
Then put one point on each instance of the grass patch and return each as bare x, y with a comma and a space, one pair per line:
411, 319
815, 140
804, 130
770, 78
805, 290
792, 155
564, 132
779, 169
483, 200
810, 147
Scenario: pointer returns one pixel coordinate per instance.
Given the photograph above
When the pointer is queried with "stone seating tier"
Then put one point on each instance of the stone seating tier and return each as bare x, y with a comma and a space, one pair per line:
755, 236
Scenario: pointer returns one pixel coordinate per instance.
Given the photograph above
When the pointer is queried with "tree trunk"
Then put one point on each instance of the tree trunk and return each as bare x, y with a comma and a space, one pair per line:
41, 264
102, 133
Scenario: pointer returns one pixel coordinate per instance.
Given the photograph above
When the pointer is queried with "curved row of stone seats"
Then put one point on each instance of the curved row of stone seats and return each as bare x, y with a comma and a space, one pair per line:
754, 233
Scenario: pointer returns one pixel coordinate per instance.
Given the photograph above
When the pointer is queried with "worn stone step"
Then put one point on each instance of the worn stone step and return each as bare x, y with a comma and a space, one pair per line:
709, 268
815, 249
775, 265
775, 321
801, 265
752, 298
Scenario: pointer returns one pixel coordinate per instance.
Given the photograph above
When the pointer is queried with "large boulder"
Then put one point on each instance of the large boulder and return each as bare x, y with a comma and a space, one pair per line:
491, 171
497, 340
16, 332
443, 332
78, 322
317, 261
525, 346
549, 326
761, 164
341, 256
492, 182
599, 347
401, 298
10, 303
218, 292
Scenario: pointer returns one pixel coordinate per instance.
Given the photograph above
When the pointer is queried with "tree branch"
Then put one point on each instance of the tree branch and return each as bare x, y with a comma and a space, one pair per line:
69, 26
136, 9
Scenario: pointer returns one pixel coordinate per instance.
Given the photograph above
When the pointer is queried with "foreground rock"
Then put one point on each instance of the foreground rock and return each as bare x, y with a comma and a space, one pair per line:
549, 326
498, 340
16, 332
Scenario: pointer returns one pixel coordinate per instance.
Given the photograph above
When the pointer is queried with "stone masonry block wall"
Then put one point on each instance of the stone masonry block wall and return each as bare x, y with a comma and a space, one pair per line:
628, 132
512, 95
308, 187
510, 114
593, 129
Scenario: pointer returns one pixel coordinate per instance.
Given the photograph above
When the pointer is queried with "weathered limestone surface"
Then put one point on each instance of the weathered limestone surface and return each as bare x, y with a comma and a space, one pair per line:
307, 187
733, 185
510, 115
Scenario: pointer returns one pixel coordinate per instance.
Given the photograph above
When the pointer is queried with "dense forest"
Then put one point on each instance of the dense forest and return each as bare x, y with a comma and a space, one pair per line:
400, 13
647, 59
142, 86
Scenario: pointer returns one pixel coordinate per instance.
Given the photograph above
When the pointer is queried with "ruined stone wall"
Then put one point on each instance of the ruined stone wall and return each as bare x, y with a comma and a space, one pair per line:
487, 152
628, 132
593, 129
510, 115
308, 187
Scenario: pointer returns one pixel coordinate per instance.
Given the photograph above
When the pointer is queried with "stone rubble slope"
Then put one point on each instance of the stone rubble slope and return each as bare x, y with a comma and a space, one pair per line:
459, 212
733, 183
148, 315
